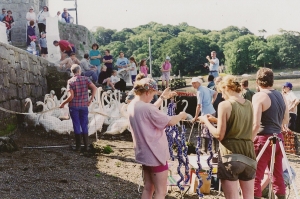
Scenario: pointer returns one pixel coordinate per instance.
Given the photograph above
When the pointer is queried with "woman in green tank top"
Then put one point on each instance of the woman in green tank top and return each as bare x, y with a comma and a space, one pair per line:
237, 162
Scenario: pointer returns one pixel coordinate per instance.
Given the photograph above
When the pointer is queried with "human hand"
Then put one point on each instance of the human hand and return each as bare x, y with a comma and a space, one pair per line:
212, 119
62, 105
167, 93
183, 115
207, 57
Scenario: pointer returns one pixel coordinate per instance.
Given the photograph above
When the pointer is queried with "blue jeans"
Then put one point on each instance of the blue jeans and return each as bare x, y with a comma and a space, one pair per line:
214, 73
91, 73
98, 71
79, 116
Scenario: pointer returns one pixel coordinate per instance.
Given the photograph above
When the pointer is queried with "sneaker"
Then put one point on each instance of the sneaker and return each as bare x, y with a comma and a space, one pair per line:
108, 87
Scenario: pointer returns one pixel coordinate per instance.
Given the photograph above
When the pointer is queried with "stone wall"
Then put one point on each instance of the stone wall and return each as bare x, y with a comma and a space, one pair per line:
23, 75
78, 35
19, 9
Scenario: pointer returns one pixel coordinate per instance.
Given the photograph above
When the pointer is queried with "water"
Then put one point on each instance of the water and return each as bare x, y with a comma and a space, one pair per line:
297, 93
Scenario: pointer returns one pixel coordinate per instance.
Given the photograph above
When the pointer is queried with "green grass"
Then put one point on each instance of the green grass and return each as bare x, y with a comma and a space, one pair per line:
107, 150
9, 128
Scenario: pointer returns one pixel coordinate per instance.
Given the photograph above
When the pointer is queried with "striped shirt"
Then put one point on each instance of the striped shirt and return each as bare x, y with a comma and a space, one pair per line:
79, 85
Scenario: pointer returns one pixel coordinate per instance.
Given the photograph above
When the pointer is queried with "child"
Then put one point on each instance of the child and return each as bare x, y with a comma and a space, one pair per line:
32, 47
113, 80
43, 45
103, 76
144, 68
132, 67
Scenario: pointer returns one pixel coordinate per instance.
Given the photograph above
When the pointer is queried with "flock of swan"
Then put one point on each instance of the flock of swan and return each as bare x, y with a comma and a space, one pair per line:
106, 108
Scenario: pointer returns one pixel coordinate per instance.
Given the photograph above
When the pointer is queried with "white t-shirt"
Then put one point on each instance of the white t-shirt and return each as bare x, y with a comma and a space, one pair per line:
133, 72
290, 99
214, 67
30, 16
114, 79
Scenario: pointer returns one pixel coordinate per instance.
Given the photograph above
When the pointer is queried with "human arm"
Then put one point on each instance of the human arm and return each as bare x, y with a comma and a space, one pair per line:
176, 118
210, 60
94, 90
224, 111
257, 104
166, 94
286, 117
69, 98
198, 108
108, 61
214, 97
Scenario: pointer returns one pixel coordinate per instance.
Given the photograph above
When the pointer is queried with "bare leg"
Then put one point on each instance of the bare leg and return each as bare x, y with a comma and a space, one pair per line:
167, 83
162, 83
148, 185
230, 189
160, 183
247, 189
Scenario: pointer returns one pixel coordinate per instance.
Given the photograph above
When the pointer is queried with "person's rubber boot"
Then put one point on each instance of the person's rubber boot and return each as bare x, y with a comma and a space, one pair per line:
85, 141
203, 146
77, 142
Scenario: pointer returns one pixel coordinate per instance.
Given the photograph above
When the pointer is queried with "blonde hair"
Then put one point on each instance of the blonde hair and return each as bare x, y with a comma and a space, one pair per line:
231, 82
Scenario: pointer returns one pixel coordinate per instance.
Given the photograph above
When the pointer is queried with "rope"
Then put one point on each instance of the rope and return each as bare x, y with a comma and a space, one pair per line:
52, 109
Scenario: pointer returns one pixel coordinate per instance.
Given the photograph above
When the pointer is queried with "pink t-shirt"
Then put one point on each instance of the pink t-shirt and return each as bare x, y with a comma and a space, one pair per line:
144, 70
167, 66
147, 125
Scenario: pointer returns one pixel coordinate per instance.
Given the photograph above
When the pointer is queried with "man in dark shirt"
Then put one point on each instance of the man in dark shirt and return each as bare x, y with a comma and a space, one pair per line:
108, 61
246, 93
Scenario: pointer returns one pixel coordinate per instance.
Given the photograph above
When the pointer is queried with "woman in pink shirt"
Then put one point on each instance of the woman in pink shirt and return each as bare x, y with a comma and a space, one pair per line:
147, 123
144, 68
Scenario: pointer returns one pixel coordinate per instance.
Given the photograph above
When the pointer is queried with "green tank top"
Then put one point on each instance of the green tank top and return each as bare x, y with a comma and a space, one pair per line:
237, 144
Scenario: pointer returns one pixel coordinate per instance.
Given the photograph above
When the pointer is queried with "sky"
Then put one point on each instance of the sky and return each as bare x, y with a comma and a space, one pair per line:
255, 15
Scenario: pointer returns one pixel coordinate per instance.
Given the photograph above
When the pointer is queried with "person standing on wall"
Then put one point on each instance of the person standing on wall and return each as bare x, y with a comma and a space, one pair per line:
9, 22
41, 19
213, 64
3, 14
30, 32
122, 62
65, 47
95, 57
30, 16
165, 70
108, 62
79, 101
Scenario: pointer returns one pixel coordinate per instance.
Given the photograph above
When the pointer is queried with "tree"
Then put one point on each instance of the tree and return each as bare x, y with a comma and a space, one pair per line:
103, 36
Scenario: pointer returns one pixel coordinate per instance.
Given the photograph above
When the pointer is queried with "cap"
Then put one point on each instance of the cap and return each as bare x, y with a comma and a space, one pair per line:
43, 33
168, 58
288, 84
196, 79
32, 37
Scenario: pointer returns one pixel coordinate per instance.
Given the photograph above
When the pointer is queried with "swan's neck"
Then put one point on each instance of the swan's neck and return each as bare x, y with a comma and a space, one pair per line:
186, 105
30, 110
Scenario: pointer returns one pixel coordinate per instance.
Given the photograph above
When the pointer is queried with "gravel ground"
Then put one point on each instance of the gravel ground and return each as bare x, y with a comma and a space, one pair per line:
62, 173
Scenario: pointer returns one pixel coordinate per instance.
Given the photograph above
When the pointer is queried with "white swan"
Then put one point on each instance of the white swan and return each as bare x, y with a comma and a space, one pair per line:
30, 119
53, 124
189, 116
54, 97
164, 106
119, 125
95, 121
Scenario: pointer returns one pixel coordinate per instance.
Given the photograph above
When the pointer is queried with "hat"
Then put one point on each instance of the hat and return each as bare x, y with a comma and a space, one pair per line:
32, 37
42, 33
168, 58
288, 84
147, 84
196, 79
31, 8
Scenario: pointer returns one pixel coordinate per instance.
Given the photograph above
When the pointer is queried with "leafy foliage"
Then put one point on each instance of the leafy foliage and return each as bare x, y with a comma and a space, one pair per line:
238, 48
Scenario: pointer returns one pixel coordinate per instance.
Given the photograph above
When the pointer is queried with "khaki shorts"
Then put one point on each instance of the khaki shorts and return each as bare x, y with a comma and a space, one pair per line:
235, 170
165, 76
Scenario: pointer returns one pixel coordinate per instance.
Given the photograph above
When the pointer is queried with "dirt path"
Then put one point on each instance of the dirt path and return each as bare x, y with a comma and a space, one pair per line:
61, 173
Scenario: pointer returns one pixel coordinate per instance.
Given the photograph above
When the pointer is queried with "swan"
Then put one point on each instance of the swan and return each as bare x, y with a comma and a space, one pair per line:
30, 119
95, 121
53, 96
50, 123
106, 107
65, 91
164, 106
119, 125
189, 116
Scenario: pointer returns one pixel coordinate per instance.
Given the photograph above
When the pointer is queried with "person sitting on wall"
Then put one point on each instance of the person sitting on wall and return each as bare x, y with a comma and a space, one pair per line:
87, 69
65, 47
68, 62
66, 16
